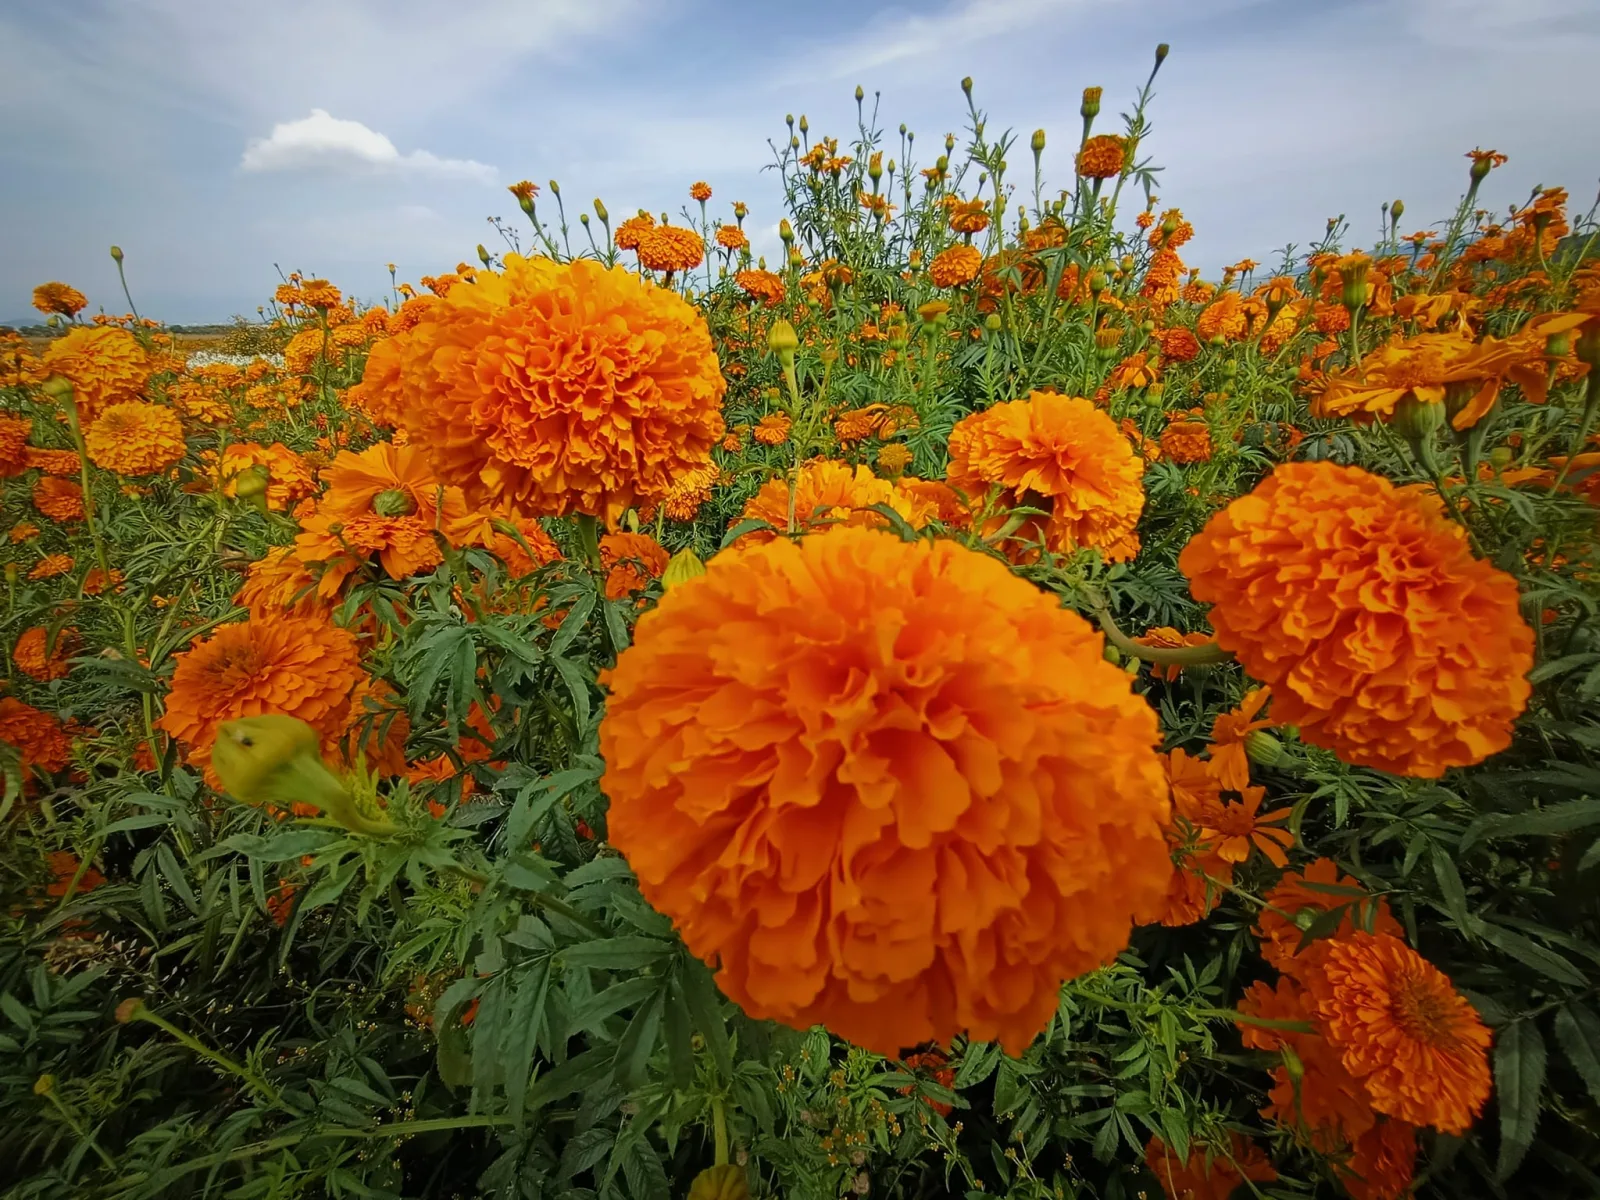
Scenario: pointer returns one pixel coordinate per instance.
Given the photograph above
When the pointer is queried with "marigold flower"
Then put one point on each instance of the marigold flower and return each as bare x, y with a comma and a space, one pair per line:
58, 499
54, 462
1382, 1162
59, 299
1231, 828
50, 565
1058, 453
1384, 640
38, 736
14, 435
23, 530
289, 477
670, 248
1304, 895
1224, 317
302, 667
772, 429
105, 366
1165, 637
1135, 371
1207, 1174
1417, 1045
1228, 734
761, 285
731, 237
1433, 368
893, 458
1187, 441
700, 190
632, 231
974, 818
1102, 157
135, 438
559, 388
96, 581
969, 216
955, 265
43, 657
825, 493
632, 560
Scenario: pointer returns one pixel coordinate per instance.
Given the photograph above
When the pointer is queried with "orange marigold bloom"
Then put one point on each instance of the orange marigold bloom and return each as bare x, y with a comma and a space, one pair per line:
1304, 895
731, 237
58, 499
898, 836
1059, 453
700, 190
1135, 371
1417, 1045
1187, 441
825, 493
632, 231
1160, 285
1178, 345
1232, 828
289, 476
14, 435
1224, 317
772, 429
135, 438
59, 299
1384, 640
278, 582
38, 736
1207, 1174
955, 265
105, 366
632, 561
761, 285
1434, 368
671, 248
54, 462
50, 565
969, 216
1102, 157
1165, 637
559, 388
95, 582
301, 667
1382, 1162
43, 657
893, 458
1228, 734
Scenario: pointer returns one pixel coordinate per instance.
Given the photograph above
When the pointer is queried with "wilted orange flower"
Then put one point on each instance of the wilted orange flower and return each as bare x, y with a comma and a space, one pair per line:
105, 366
632, 560
14, 435
1135, 371
1165, 637
1384, 640
1305, 895
1187, 441
1058, 453
1207, 1174
53, 462
301, 667
1102, 157
825, 492
1417, 1045
50, 565
761, 285
60, 299
1433, 368
955, 265
898, 837
772, 429
670, 248
135, 438
43, 656
559, 388
58, 499
38, 736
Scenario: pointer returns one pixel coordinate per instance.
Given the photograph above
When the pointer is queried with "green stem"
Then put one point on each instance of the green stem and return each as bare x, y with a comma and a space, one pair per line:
1185, 656
220, 1059
78, 1127
719, 1131
76, 426
588, 528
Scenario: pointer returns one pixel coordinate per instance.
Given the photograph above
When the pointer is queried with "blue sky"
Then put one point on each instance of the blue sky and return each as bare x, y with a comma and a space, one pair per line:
150, 123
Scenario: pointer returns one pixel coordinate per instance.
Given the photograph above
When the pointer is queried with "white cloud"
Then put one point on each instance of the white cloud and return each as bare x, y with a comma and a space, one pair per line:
323, 141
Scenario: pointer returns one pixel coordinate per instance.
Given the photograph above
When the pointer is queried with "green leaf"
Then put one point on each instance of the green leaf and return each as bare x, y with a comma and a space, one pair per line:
175, 877
582, 1071
1578, 1031
680, 1049
1530, 953
1450, 887
739, 530
618, 953
577, 616
705, 1008
639, 1041
1552, 819
613, 999
978, 1063
577, 682
897, 523
523, 1019
1518, 1081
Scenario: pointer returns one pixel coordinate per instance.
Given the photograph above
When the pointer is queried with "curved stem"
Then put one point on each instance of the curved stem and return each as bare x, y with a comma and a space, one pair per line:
1184, 656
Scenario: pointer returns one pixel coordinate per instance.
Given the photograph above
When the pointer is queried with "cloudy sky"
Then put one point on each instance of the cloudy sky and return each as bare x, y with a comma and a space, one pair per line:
212, 139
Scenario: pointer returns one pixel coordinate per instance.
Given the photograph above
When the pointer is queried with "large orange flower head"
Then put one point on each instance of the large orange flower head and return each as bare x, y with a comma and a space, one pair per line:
957, 265
1384, 640
289, 477
1299, 898
825, 492
301, 667
14, 435
38, 736
105, 366
1058, 453
1417, 1045
888, 787
60, 299
1433, 369
670, 248
135, 438
560, 388
58, 499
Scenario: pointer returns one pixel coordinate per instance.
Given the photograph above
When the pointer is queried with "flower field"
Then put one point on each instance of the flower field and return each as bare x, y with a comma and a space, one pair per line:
970, 708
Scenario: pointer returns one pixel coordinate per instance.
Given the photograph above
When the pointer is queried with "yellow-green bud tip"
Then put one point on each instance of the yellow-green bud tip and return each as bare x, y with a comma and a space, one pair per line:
129, 1010
116, 253
782, 339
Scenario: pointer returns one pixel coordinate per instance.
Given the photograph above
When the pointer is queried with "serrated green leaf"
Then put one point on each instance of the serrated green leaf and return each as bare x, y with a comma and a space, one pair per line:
1546, 821
1530, 953
639, 1041
619, 953
705, 1010
1578, 1030
1519, 1059
1451, 890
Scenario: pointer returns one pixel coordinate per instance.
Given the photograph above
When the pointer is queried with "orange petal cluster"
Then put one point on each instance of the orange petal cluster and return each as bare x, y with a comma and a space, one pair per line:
889, 787
135, 438
106, 366
1207, 1174
555, 388
1384, 640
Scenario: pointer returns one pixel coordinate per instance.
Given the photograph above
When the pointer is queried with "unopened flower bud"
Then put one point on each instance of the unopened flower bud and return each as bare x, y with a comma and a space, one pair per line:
483, 255
57, 387
1396, 208
129, 1010
1090, 109
600, 210
788, 119
1417, 420
44, 1085
992, 322
782, 339
1500, 457
1295, 1069
859, 94
253, 481
1097, 281
1261, 748
682, 567
805, 125
395, 502
966, 85
785, 230
116, 253
583, 219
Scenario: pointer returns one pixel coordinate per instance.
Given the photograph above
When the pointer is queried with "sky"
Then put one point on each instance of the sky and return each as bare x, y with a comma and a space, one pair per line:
217, 141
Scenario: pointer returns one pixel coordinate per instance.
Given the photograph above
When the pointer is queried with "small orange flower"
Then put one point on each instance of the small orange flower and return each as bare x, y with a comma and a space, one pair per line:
700, 190
772, 429
632, 231
1417, 1045
670, 248
1207, 1174
1102, 157
59, 299
1297, 899
38, 736
1231, 828
825, 493
1164, 637
632, 561
14, 435
54, 462
1228, 734
955, 266
43, 656
731, 237
58, 499
50, 565
135, 438
761, 285
1187, 441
